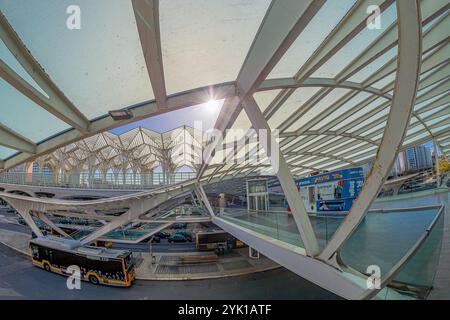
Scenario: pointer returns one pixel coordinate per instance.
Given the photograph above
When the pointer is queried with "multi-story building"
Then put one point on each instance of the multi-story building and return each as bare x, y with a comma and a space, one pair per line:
417, 158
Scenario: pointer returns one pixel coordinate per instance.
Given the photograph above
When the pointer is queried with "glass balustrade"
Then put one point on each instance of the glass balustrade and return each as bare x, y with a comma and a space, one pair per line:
382, 239
107, 181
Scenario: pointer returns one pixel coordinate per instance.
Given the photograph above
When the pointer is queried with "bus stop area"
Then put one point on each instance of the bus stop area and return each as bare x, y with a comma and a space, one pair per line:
171, 265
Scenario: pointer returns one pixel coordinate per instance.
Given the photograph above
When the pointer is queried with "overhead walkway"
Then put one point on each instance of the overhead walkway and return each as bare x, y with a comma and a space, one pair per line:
404, 243
134, 206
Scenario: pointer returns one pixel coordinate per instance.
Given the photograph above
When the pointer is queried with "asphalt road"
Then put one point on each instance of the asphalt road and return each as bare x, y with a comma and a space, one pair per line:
15, 227
20, 280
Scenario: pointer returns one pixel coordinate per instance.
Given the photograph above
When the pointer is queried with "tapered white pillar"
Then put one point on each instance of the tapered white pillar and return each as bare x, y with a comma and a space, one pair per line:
284, 175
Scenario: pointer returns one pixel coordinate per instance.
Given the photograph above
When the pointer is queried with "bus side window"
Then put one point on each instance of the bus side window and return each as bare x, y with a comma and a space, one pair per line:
35, 252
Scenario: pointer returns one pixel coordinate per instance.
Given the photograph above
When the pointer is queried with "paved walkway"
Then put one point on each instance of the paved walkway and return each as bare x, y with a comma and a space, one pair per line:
172, 267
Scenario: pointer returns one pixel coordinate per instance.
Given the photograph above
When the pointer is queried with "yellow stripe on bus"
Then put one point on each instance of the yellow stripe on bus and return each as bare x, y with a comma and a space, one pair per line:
86, 277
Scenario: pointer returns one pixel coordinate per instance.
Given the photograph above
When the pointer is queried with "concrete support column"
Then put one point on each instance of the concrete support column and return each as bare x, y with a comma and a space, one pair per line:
284, 175
23, 209
204, 198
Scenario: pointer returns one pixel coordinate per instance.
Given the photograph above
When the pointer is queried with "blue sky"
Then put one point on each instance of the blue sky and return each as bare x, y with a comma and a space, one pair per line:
206, 113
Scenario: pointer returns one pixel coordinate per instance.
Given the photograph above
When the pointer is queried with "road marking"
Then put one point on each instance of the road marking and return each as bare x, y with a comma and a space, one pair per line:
5, 292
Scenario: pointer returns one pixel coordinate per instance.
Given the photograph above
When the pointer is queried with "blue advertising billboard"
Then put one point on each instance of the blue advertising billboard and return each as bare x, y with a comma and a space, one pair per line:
334, 192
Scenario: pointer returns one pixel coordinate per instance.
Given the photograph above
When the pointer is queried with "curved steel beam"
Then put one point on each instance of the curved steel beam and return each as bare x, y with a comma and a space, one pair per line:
407, 79
328, 133
56, 103
283, 83
282, 24
147, 21
14, 140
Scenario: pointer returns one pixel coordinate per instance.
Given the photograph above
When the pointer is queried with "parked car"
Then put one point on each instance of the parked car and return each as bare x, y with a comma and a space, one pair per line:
179, 226
162, 234
224, 248
21, 221
185, 234
66, 220
177, 238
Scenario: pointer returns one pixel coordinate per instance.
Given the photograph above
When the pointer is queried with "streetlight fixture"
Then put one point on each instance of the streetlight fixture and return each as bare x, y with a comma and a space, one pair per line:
123, 114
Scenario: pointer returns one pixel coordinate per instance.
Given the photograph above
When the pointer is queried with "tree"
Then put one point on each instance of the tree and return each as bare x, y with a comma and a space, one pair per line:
444, 165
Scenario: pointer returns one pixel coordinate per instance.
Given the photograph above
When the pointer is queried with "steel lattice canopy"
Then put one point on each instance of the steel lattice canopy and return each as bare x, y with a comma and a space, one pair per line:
327, 84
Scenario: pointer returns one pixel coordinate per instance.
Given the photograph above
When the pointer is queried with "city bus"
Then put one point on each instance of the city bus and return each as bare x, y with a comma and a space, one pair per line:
210, 240
97, 265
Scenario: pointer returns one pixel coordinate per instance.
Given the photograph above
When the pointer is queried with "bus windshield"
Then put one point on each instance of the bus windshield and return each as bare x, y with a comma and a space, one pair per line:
128, 262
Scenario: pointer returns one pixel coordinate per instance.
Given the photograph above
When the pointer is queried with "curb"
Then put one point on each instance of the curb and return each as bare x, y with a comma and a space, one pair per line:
16, 249
206, 277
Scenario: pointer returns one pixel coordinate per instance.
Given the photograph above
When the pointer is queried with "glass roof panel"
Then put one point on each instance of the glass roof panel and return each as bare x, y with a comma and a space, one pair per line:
362, 158
331, 139
380, 84
415, 129
353, 48
344, 146
6, 152
205, 42
25, 117
304, 145
374, 130
440, 128
434, 110
320, 107
354, 116
373, 67
293, 141
355, 154
343, 109
99, 67
11, 61
309, 40
415, 138
425, 103
295, 101
333, 162
369, 121
264, 98
242, 122
437, 120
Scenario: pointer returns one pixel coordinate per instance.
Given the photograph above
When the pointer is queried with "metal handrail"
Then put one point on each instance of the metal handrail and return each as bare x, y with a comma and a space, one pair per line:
370, 293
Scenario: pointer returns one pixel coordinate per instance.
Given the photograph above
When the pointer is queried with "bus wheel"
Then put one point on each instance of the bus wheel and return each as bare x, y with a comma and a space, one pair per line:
93, 280
47, 267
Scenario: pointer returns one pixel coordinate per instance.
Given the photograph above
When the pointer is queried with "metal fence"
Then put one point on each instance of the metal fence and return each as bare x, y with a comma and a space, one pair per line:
424, 180
96, 181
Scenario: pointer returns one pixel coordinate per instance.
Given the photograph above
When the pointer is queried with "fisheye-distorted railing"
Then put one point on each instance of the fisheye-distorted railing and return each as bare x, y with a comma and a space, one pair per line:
404, 244
136, 181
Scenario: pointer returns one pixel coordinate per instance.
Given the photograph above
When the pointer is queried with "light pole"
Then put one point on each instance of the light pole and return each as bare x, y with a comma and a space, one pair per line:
151, 249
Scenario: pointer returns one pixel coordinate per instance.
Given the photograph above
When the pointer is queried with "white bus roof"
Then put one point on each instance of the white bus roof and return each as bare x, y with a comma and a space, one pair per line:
75, 247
